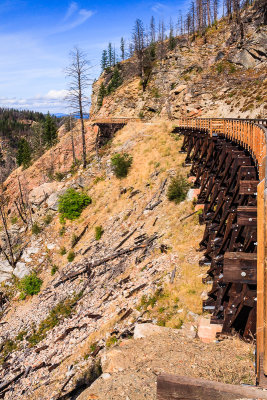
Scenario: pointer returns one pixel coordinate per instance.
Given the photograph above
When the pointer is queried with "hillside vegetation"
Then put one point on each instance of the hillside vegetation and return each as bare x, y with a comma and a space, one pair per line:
218, 72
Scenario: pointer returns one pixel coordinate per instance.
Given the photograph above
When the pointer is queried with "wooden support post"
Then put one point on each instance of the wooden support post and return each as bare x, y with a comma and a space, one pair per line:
171, 387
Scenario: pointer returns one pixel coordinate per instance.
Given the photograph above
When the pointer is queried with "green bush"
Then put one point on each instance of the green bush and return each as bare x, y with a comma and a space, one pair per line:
62, 251
74, 240
48, 219
30, 284
98, 232
59, 176
178, 188
72, 203
220, 68
14, 220
71, 256
36, 229
62, 231
54, 269
121, 164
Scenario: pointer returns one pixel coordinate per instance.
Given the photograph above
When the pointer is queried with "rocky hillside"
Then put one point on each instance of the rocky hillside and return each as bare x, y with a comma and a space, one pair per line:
97, 290
219, 74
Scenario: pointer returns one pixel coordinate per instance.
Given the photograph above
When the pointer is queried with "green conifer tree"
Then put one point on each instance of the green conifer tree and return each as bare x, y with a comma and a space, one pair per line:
101, 95
115, 81
104, 60
24, 153
50, 131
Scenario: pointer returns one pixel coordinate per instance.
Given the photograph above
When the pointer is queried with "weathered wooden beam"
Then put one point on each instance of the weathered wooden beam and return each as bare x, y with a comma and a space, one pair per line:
240, 267
248, 187
247, 216
171, 387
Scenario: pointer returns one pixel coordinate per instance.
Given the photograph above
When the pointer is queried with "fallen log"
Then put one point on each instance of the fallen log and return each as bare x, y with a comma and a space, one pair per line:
89, 265
4, 386
78, 238
171, 387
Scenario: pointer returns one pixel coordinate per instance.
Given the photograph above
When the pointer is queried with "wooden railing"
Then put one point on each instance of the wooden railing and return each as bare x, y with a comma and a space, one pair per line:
251, 135
114, 120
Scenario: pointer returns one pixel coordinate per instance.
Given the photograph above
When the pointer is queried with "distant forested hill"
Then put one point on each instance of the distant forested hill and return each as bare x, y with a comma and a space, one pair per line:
17, 126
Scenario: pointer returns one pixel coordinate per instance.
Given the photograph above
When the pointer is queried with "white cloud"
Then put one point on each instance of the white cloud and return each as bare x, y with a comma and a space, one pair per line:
53, 101
71, 10
73, 18
159, 8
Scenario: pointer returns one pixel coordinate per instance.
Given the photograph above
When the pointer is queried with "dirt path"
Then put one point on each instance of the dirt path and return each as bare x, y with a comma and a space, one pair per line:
130, 369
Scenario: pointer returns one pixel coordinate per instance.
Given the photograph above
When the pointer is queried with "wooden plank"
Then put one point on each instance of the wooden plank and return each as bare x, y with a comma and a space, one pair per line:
248, 187
171, 387
247, 216
240, 267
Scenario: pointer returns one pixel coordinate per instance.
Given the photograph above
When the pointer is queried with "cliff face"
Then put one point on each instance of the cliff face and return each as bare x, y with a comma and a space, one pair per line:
221, 74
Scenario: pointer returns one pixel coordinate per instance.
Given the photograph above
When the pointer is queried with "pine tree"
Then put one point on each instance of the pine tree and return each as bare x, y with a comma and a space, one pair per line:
110, 55
122, 49
24, 153
104, 60
172, 40
101, 95
50, 131
115, 82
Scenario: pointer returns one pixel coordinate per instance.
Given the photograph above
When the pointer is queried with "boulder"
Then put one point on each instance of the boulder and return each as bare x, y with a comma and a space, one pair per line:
21, 270
5, 271
178, 89
113, 361
207, 331
52, 201
146, 330
244, 58
40, 193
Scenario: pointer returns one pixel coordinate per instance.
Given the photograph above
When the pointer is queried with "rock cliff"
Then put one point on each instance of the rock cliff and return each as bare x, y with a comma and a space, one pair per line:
219, 74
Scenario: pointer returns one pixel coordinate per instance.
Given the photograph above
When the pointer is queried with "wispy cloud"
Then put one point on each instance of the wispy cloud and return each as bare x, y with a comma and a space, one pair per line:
159, 8
71, 10
74, 17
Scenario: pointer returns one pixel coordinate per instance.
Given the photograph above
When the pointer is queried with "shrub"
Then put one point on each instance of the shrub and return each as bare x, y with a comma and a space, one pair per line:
111, 341
121, 164
30, 284
61, 311
74, 240
54, 269
141, 114
62, 251
72, 203
71, 256
178, 189
220, 68
14, 219
36, 229
98, 232
48, 219
62, 231
59, 176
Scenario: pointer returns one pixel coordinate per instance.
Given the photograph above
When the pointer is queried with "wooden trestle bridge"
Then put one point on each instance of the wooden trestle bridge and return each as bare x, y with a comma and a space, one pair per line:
228, 158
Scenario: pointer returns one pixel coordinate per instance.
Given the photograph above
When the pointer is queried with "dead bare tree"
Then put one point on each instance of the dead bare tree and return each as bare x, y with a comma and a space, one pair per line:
78, 74
10, 257
139, 44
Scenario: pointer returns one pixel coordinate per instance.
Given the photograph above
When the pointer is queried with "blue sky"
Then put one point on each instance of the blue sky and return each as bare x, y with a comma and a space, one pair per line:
37, 36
